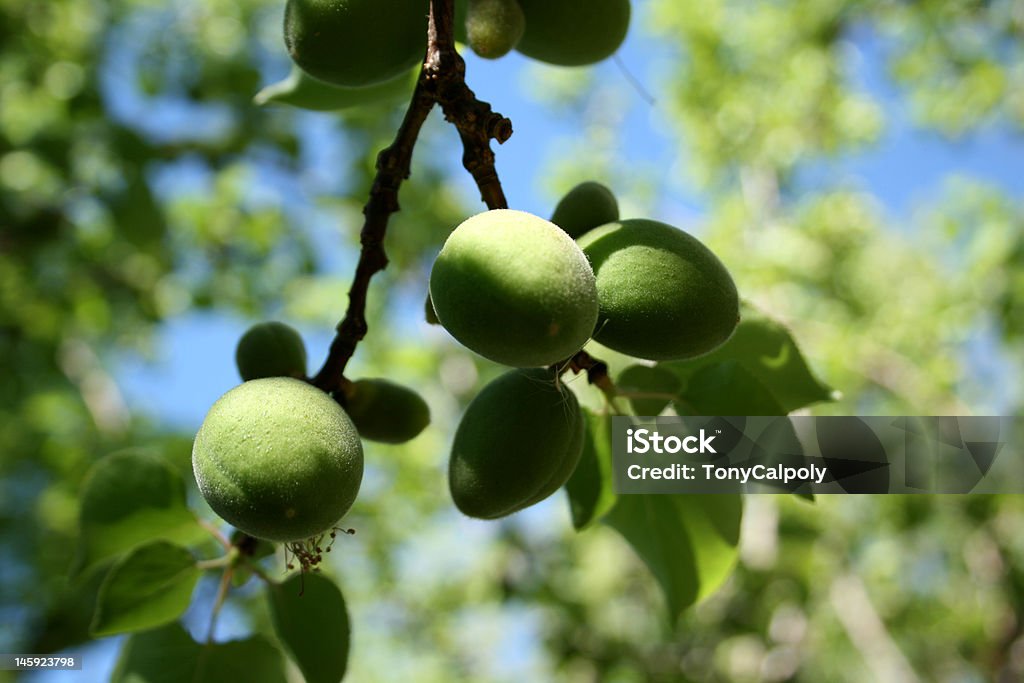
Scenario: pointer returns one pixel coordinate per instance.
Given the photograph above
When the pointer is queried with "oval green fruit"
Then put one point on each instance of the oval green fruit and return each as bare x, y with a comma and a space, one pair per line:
585, 207
428, 312
663, 294
278, 459
494, 27
355, 43
301, 90
385, 411
270, 349
518, 442
514, 288
573, 32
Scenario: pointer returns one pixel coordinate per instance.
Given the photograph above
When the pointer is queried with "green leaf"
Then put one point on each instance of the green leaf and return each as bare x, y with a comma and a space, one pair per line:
130, 498
309, 616
590, 487
768, 352
641, 379
149, 587
170, 655
688, 542
726, 388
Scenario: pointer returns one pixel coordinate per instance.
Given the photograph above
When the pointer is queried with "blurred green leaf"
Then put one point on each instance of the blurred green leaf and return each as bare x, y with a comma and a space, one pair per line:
170, 655
767, 352
149, 587
590, 486
641, 379
129, 498
310, 618
688, 542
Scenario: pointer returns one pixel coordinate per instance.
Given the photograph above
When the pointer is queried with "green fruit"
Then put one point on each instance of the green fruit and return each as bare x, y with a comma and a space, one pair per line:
355, 43
460, 20
301, 90
428, 312
385, 411
573, 32
585, 207
514, 288
518, 442
278, 459
494, 27
270, 349
663, 294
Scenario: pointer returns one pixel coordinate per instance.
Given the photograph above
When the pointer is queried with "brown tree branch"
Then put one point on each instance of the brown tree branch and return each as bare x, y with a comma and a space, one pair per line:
442, 81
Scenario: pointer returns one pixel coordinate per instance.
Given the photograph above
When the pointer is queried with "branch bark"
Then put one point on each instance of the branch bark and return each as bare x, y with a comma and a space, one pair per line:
441, 81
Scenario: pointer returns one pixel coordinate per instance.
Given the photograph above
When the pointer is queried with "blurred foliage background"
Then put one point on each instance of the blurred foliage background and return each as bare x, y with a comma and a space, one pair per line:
140, 187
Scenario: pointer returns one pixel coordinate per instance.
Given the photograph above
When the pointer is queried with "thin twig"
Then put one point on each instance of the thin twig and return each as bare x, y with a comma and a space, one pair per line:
596, 369
442, 81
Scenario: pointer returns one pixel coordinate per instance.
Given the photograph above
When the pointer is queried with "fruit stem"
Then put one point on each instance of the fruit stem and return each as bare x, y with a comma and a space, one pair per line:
441, 81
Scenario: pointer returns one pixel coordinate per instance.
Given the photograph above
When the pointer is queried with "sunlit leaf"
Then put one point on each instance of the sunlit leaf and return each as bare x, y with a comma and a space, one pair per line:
149, 587
688, 542
648, 389
590, 487
768, 352
130, 498
310, 618
170, 655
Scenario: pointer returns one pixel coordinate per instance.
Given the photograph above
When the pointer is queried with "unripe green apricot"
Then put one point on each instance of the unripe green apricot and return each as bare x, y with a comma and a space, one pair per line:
278, 459
663, 294
270, 349
585, 207
299, 89
429, 314
494, 27
384, 411
573, 32
356, 43
514, 288
518, 442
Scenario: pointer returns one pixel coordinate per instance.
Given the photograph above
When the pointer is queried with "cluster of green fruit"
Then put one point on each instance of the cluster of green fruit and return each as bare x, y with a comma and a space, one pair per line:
282, 460
360, 52
527, 292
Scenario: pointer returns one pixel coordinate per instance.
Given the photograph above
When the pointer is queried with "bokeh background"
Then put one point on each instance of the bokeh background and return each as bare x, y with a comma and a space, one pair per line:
858, 165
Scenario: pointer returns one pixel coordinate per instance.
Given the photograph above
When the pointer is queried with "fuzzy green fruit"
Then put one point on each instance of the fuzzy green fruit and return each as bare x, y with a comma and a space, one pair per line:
518, 442
299, 89
573, 32
494, 27
270, 349
278, 459
514, 288
428, 312
385, 411
663, 294
585, 207
356, 43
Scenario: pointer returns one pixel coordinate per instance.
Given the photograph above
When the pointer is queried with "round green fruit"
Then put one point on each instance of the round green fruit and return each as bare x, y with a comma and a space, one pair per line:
663, 294
585, 207
518, 442
385, 411
494, 27
301, 90
573, 32
270, 349
356, 43
514, 288
278, 459
428, 312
